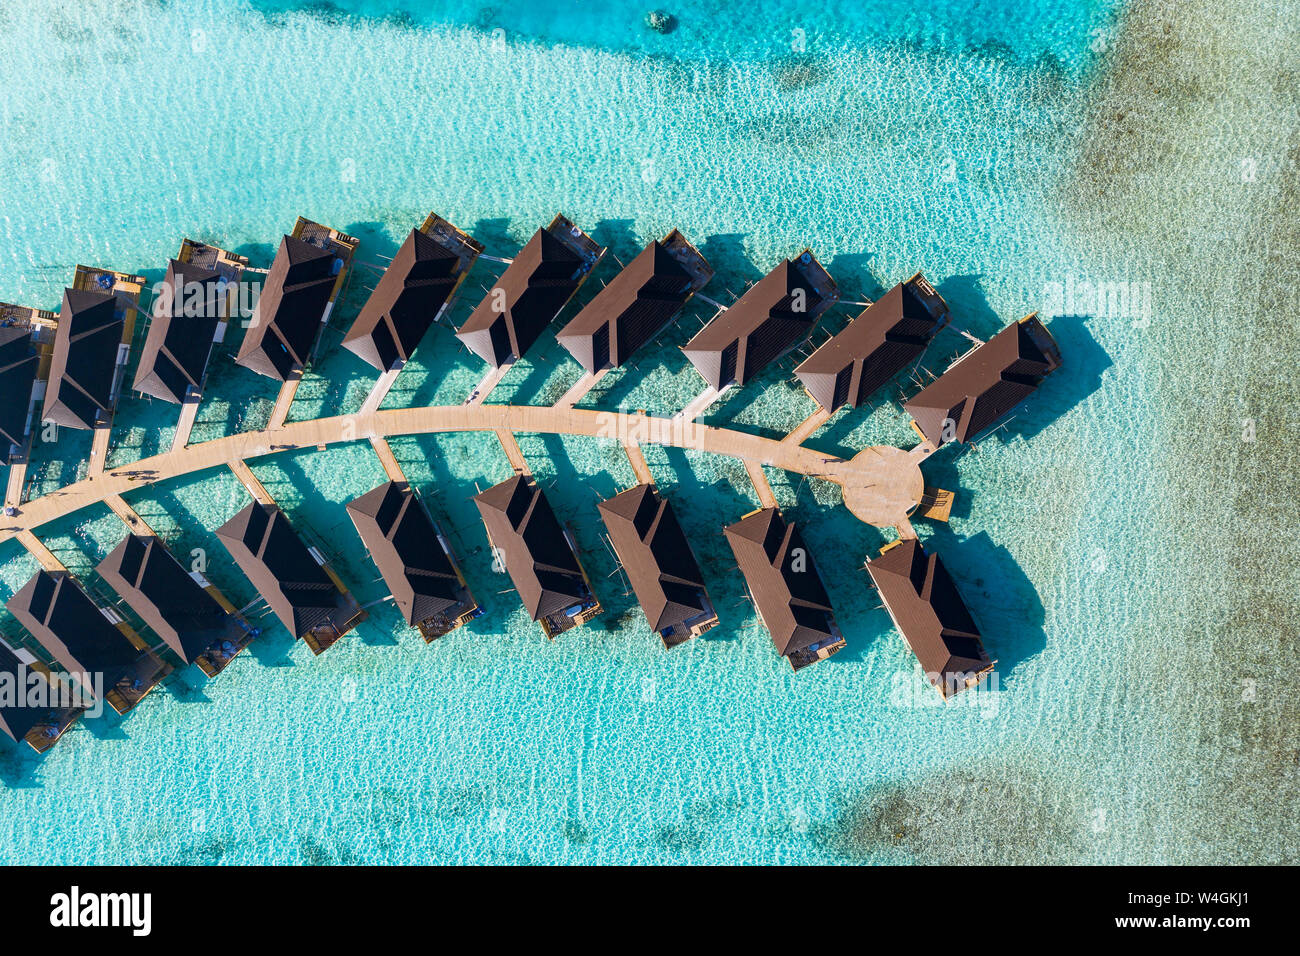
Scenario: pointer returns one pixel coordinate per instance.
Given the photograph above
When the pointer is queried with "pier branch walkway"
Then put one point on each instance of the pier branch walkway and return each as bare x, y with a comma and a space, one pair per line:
881, 484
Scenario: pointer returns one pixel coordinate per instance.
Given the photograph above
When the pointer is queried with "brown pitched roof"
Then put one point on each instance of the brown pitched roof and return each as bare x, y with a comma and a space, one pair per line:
638, 302
987, 383
656, 556
403, 542
926, 608
290, 310
542, 565
783, 581
533, 290
416, 284
764, 324
175, 353
68, 624
282, 569
883, 340
20, 716
175, 606
18, 366
89, 332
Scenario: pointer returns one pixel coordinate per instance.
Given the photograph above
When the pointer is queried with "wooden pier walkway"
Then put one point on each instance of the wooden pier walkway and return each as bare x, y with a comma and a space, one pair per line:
700, 403
117, 504
280, 413
17, 480
489, 381
185, 424
881, 485
580, 388
511, 447
380, 391
99, 450
639, 466
766, 497
386, 458
36, 547
250, 481
803, 431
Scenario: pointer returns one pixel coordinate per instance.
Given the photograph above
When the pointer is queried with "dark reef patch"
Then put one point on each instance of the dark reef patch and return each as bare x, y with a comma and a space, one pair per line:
995, 814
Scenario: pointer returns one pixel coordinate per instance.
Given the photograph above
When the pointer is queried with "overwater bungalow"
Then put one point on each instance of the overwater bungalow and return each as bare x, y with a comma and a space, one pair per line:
659, 564
530, 293
927, 610
540, 556
18, 364
93, 644
295, 580
637, 304
986, 384
190, 317
883, 340
300, 291
35, 707
768, 321
92, 342
26, 349
415, 559
180, 606
786, 589
413, 291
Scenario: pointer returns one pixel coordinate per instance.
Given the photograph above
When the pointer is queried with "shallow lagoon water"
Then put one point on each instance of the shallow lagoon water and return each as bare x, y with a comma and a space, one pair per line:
957, 141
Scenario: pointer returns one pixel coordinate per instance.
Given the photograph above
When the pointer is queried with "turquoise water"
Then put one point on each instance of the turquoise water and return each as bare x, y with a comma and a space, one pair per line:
1001, 148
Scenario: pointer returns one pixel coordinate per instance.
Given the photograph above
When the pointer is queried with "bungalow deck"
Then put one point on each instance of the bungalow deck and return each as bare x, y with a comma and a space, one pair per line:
339, 243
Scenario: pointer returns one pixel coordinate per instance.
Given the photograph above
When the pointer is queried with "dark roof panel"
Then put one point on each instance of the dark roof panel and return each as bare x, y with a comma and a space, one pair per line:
86, 341
525, 300
403, 542
631, 310
282, 569
68, 624
883, 340
175, 353
783, 581
167, 598
982, 387
290, 310
655, 554
416, 284
44, 709
543, 567
929, 612
19, 364
771, 318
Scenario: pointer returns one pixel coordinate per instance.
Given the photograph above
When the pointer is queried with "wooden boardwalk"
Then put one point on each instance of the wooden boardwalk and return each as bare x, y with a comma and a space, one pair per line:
36, 547
489, 381
803, 431
128, 515
700, 403
580, 388
185, 424
386, 458
639, 466
766, 498
283, 401
511, 448
250, 481
14, 485
380, 391
881, 484
99, 450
